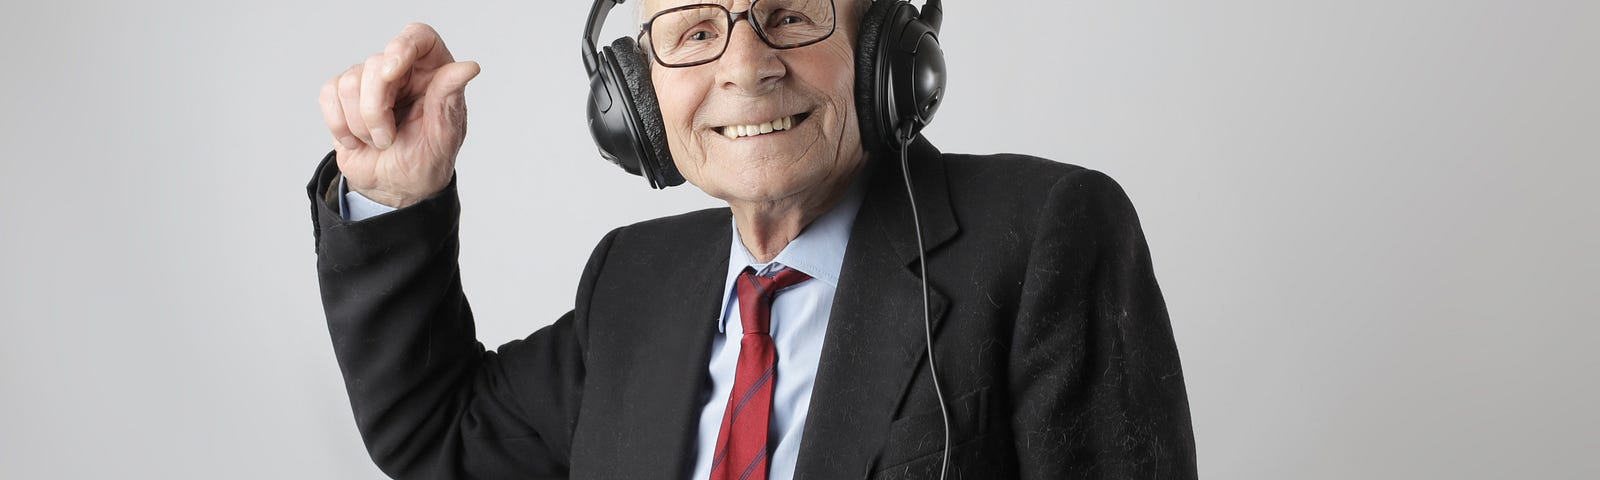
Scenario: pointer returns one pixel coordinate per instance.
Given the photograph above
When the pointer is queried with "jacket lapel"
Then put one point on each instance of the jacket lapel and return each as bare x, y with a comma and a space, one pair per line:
665, 352
875, 338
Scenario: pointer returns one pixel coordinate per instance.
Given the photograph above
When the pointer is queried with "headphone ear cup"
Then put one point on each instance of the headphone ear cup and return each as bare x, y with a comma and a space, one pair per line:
636, 74
869, 80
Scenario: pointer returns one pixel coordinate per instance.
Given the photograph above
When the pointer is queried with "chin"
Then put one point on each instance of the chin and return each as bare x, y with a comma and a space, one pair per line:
755, 176
760, 186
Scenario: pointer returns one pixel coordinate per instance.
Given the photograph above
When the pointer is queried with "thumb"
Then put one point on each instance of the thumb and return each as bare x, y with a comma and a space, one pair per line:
452, 78
447, 91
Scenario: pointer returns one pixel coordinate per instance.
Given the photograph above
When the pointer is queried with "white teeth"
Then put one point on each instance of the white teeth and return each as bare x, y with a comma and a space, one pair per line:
736, 131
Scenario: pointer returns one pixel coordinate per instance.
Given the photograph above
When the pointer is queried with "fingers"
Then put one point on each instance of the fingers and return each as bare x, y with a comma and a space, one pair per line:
350, 103
333, 115
417, 46
359, 104
377, 103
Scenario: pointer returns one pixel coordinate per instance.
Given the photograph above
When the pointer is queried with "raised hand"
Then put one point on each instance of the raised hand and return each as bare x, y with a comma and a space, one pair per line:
399, 118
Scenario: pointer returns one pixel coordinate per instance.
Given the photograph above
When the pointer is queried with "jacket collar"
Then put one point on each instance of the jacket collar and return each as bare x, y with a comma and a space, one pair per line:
930, 184
875, 337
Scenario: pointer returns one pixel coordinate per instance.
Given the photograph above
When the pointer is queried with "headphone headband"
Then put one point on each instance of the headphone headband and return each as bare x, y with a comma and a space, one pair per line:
932, 14
591, 31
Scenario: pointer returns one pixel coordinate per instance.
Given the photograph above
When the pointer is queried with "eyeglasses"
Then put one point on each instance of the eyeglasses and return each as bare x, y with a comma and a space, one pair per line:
698, 34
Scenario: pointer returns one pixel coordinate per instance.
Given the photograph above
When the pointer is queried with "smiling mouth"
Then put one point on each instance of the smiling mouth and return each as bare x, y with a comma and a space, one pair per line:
776, 125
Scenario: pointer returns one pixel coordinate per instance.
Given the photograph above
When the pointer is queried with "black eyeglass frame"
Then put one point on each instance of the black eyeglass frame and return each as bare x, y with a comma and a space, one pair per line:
733, 20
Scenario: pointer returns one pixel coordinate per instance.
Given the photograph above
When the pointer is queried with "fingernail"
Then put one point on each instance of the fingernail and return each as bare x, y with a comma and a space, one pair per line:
350, 142
381, 137
389, 65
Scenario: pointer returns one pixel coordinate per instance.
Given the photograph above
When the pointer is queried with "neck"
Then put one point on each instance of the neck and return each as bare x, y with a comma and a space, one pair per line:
766, 228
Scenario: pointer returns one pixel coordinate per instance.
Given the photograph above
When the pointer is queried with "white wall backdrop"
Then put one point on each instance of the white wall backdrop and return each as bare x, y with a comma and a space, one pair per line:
1375, 221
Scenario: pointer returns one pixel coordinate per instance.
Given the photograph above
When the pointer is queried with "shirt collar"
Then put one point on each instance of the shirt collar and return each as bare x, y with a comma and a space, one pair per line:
818, 251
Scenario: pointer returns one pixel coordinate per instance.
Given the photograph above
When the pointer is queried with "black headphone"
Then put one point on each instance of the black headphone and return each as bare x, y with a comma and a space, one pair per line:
900, 79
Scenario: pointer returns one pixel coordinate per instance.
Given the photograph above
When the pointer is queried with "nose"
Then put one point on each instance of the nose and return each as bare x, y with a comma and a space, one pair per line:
749, 66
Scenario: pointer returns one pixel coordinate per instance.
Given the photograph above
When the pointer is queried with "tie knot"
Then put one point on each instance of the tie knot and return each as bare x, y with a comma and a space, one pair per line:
756, 294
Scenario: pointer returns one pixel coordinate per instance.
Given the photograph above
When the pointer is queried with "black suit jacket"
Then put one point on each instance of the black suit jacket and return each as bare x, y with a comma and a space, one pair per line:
1053, 344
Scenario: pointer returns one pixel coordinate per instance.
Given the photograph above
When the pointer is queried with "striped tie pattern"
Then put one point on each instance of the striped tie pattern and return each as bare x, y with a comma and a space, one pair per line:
742, 445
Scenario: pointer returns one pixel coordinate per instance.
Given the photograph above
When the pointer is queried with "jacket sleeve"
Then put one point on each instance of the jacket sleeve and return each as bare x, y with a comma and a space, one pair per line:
1096, 383
429, 400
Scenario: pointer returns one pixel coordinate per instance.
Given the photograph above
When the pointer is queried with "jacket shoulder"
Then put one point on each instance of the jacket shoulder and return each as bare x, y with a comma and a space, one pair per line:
1026, 183
1007, 164
681, 229
666, 243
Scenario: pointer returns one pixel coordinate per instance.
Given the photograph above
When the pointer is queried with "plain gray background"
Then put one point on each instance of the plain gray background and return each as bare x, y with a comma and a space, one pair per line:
1374, 220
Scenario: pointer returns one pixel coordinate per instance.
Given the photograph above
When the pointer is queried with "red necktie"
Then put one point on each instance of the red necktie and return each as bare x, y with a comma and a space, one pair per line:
742, 442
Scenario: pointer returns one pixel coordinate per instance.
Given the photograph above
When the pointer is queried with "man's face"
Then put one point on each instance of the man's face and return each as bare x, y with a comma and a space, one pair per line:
752, 84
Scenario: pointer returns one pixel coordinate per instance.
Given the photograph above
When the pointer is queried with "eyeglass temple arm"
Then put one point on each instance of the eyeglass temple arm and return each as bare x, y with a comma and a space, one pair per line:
597, 19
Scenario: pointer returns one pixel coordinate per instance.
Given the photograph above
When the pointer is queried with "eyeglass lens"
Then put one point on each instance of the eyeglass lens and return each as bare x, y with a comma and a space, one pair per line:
696, 34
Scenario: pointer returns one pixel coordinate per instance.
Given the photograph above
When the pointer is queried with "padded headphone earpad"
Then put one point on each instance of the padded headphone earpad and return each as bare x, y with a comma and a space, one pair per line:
636, 73
869, 43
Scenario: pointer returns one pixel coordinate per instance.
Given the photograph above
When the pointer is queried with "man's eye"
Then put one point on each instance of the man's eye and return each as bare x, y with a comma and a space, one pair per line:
785, 19
699, 36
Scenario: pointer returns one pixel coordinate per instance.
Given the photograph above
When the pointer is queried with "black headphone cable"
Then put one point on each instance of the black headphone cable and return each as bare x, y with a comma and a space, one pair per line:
927, 318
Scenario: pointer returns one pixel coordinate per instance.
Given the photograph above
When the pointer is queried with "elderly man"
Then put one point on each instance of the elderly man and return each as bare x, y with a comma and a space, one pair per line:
785, 336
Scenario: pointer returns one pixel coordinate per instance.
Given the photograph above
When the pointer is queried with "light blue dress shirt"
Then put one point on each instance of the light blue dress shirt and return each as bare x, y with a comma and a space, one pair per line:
799, 323
356, 207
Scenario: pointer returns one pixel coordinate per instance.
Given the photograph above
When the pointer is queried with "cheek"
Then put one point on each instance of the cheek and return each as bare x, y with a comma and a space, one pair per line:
840, 90
677, 105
